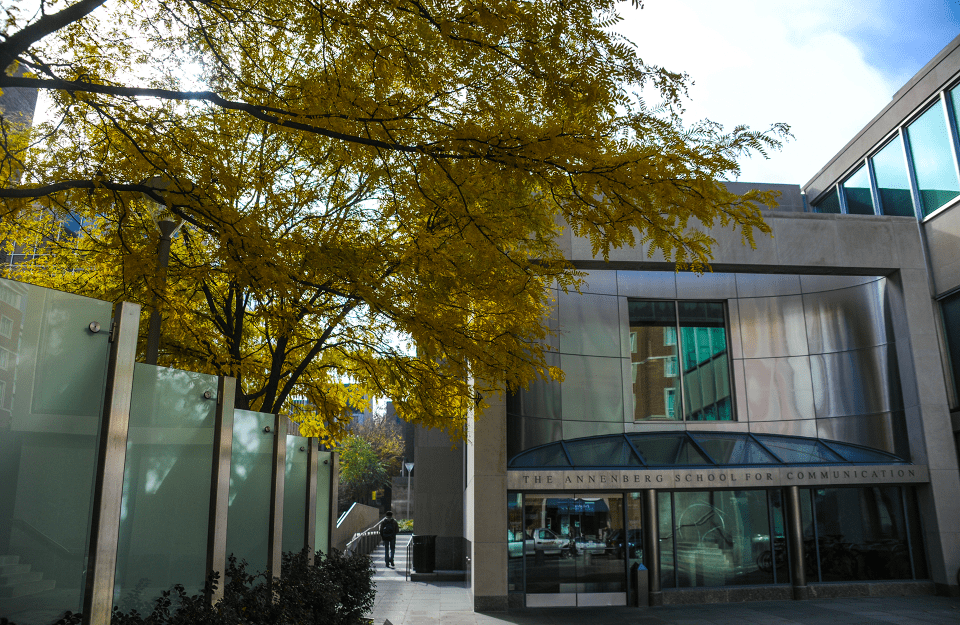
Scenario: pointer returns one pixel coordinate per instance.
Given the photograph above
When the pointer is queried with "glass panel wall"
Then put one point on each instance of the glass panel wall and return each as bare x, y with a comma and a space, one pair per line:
49, 433
629, 546
665, 520
166, 485
251, 466
893, 182
325, 490
856, 192
516, 536
933, 166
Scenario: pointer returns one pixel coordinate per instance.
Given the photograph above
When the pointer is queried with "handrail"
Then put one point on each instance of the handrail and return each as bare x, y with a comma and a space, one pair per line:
69, 553
364, 542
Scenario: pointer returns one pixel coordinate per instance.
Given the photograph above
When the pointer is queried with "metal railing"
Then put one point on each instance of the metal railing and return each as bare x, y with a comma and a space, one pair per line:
364, 542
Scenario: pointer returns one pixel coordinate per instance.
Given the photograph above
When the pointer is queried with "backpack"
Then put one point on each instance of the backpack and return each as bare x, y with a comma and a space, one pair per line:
388, 529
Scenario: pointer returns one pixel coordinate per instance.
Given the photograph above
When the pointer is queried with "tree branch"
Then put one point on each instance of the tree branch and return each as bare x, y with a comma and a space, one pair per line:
19, 42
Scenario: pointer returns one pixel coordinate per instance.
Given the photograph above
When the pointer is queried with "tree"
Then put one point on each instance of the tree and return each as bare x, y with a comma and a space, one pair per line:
369, 456
372, 191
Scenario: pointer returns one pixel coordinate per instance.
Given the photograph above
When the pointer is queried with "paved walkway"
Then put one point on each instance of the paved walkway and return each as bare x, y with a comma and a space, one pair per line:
448, 603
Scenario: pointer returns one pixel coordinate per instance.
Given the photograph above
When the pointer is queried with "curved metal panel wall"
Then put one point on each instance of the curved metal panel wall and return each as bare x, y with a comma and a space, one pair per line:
592, 389
862, 381
772, 327
589, 324
845, 319
778, 389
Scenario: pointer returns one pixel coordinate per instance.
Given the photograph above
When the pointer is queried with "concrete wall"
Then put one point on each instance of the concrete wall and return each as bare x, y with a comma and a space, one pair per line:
438, 486
942, 232
359, 517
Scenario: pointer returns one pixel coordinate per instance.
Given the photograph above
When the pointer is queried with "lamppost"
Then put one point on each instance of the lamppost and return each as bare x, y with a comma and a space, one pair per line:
409, 466
168, 228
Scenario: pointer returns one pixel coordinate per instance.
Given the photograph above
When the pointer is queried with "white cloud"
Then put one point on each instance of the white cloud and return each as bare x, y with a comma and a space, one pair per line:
757, 63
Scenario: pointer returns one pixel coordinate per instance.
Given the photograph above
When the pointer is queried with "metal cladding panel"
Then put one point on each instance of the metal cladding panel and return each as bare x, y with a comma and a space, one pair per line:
879, 431
800, 427
527, 432
589, 324
817, 284
647, 284
779, 389
773, 327
862, 381
582, 429
767, 285
593, 388
846, 319
715, 286
542, 398
602, 281
553, 321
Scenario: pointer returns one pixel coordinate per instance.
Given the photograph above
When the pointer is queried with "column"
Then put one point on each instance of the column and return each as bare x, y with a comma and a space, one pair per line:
651, 545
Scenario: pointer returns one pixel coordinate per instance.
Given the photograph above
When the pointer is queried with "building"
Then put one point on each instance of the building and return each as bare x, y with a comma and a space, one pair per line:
784, 427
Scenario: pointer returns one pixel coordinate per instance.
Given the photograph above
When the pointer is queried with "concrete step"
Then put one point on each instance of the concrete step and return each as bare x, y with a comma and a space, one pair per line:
12, 569
27, 588
8, 559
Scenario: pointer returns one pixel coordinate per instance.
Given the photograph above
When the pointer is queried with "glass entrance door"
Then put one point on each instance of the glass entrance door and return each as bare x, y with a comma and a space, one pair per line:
574, 549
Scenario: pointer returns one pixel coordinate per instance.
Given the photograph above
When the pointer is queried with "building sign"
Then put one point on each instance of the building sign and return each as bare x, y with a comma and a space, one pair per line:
713, 478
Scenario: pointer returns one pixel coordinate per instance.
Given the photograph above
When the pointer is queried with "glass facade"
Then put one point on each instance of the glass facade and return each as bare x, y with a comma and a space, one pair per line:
251, 470
856, 192
564, 547
829, 204
680, 368
933, 166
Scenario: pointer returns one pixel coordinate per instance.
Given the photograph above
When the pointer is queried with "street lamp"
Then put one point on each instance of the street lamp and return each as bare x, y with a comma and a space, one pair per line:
168, 228
409, 466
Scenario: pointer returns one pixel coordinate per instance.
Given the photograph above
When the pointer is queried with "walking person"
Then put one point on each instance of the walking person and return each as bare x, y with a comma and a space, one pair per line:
388, 532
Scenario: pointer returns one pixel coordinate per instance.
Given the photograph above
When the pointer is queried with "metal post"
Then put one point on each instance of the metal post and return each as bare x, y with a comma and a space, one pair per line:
275, 537
108, 490
167, 228
220, 484
798, 567
651, 544
310, 520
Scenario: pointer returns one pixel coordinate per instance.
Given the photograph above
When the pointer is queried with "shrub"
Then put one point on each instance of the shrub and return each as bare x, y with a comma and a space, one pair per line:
335, 590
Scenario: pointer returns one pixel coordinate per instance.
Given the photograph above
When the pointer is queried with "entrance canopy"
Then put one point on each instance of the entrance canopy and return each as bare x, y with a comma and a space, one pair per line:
664, 450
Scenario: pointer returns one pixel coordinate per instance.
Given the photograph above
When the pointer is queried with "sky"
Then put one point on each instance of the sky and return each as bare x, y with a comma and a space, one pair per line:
826, 67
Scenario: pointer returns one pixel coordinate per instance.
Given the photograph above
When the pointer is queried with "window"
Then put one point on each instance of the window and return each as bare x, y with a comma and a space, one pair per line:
856, 191
6, 358
829, 204
929, 140
9, 296
893, 183
6, 327
680, 364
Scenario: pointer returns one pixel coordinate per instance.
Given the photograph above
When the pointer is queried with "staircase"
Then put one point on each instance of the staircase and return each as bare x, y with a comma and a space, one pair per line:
17, 580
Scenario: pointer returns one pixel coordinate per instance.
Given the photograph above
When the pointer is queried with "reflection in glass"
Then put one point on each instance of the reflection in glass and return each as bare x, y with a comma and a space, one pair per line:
856, 191
251, 467
722, 537
811, 558
653, 354
52, 379
706, 372
893, 183
166, 484
668, 578
829, 204
929, 141
571, 544
515, 539
632, 547
861, 534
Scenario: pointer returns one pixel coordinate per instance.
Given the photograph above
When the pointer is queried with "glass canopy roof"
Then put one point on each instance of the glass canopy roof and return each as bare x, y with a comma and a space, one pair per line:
696, 449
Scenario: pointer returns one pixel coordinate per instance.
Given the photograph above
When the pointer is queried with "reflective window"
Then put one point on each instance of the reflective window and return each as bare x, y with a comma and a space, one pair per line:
933, 165
829, 204
515, 539
856, 191
950, 309
723, 538
674, 346
668, 577
893, 183
862, 534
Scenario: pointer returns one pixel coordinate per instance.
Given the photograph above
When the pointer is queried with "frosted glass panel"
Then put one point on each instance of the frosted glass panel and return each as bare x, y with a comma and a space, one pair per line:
324, 500
295, 493
166, 484
251, 464
48, 445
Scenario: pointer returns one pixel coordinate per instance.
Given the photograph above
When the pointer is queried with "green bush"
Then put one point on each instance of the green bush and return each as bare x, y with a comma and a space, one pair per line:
335, 590
406, 525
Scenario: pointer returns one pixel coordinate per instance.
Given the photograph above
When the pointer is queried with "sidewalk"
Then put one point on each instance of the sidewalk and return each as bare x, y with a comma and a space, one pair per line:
448, 603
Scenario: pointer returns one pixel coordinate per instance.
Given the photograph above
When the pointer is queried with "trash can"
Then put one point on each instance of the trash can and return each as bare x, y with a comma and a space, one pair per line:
642, 585
424, 553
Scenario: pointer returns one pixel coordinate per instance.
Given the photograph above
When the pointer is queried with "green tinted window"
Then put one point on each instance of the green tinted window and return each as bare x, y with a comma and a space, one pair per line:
829, 204
932, 159
856, 190
950, 307
893, 183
